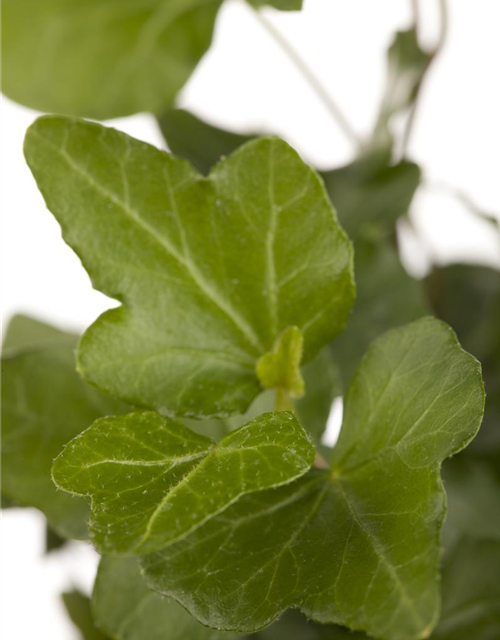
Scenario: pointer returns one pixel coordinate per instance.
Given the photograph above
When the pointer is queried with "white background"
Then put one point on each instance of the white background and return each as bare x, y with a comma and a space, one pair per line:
246, 83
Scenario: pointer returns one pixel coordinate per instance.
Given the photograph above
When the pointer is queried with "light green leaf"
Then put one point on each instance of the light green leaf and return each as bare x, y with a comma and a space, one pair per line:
153, 481
370, 194
218, 268
44, 404
78, 608
195, 140
126, 609
102, 58
280, 368
407, 63
357, 546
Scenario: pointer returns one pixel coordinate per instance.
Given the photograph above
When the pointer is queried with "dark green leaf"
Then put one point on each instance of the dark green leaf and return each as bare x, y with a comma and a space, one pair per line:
218, 268
53, 541
24, 332
471, 563
370, 194
359, 545
197, 141
153, 481
387, 297
295, 626
45, 404
126, 609
78, 608
102, 59
407, 63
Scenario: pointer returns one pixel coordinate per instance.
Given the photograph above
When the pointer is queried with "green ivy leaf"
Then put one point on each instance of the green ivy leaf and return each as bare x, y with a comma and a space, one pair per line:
126, 609
407, 63
24, 332
359, 545
44, 404
78, 607
370, 194
153, 481
195, 140
471, 563
218, 268
387, 297
295, 626
138, 57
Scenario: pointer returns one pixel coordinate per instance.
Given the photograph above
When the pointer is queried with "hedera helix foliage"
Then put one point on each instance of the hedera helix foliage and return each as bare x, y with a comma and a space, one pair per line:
186, 441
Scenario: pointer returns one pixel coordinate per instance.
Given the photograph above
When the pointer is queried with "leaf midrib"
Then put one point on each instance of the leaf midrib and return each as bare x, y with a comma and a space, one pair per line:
191, 268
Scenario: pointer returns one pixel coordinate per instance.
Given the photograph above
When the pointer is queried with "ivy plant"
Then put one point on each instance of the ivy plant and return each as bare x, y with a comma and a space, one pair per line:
184, 434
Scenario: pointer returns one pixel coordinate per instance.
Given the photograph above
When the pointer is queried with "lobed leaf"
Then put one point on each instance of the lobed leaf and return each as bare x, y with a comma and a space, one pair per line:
153, 481
217, 269
358, 545
44, 404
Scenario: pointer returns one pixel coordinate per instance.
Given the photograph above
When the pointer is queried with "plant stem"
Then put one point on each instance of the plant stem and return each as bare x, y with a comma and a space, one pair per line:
283, 401
443, 32
311, 79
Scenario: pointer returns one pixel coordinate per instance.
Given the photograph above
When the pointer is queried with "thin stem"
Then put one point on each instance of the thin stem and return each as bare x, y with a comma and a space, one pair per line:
283, 401
311, 79
416, 15
443, 32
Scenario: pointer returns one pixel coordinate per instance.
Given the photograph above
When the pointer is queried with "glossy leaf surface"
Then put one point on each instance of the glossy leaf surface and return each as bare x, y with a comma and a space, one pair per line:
218, 268
153, 481
358, 545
